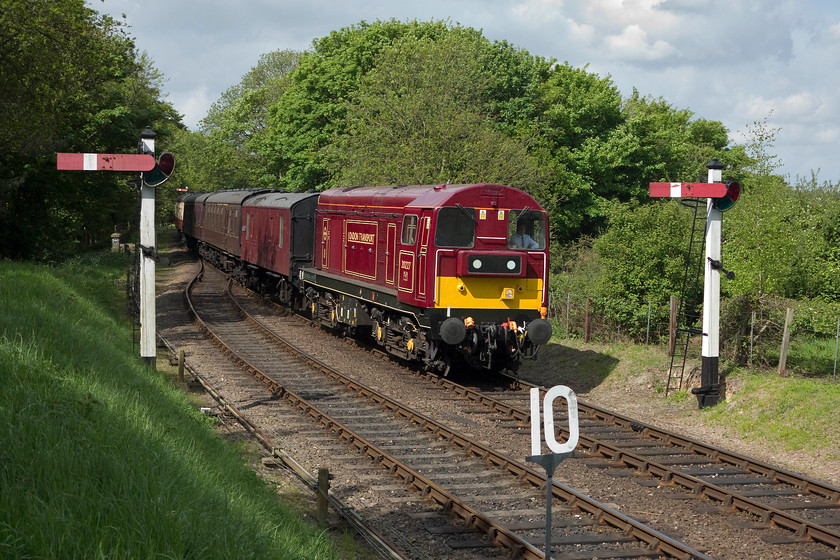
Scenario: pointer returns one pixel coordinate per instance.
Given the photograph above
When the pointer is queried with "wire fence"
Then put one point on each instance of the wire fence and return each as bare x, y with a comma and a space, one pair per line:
750, 335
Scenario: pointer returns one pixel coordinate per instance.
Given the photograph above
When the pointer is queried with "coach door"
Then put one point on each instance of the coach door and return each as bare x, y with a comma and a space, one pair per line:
325, 243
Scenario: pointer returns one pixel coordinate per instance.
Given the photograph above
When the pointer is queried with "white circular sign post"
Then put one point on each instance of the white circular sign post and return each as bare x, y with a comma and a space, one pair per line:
559, 451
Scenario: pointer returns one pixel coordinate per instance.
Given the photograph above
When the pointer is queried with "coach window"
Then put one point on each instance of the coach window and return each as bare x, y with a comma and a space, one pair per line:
409, 229
455, 227
248, 225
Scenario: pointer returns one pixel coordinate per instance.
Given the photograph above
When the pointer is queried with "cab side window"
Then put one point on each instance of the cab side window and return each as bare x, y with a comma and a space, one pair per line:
409, 229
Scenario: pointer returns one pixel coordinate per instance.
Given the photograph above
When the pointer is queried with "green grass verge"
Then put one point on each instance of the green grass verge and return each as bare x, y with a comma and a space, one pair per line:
102, 457
787, 413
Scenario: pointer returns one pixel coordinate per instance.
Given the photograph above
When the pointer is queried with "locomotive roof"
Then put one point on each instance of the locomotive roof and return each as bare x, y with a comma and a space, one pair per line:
278, 199
428, 196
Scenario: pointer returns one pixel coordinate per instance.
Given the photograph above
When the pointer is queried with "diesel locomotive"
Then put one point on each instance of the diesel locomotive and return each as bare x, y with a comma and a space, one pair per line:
437, 274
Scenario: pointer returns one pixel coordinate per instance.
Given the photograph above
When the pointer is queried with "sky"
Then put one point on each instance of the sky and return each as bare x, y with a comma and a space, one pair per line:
740, 62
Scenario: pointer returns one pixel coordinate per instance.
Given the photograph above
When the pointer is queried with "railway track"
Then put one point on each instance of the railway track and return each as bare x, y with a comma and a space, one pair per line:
496, 498
802, 509
806, 510
809, 509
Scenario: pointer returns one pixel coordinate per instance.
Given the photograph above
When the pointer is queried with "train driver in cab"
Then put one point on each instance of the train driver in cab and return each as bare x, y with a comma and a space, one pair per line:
520, 239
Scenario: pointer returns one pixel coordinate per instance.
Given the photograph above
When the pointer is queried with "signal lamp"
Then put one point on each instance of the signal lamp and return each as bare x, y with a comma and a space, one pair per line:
727, 201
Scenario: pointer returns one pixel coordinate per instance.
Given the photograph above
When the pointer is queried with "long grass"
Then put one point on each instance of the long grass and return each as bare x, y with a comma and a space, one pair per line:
102, 457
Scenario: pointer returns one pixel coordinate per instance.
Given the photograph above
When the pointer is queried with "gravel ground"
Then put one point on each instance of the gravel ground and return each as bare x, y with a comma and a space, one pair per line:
699, 523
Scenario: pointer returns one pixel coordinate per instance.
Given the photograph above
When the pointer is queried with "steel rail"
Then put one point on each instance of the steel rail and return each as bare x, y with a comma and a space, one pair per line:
474, 518
658, 541
377, 542
772, 516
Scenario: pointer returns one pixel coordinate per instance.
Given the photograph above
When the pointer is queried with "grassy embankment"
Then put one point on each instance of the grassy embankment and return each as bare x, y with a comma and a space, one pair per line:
792, 413
101, 456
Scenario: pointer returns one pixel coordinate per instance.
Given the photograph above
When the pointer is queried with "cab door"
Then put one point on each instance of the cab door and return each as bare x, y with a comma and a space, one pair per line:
325, 243
412, 261
422, 255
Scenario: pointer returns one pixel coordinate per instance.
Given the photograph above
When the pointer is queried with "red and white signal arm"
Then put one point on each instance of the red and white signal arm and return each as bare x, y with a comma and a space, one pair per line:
688, 190
104, 162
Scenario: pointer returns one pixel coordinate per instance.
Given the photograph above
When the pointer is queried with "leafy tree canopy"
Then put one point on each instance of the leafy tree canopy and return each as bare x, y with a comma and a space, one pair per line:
71, 81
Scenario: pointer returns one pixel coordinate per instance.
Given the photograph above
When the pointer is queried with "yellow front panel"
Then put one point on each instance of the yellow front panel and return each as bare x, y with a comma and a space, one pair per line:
476, 292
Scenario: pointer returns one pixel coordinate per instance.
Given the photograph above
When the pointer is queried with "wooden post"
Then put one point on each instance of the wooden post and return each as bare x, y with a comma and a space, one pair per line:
587, 324
672, 326
181, 366
323, 490
785, 342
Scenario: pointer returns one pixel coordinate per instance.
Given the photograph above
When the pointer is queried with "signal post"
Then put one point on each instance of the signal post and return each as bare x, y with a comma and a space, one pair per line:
148, 324
720, 197
152, 174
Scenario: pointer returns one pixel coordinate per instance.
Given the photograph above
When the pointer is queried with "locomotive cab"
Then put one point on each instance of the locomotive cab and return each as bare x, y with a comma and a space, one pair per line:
491, 283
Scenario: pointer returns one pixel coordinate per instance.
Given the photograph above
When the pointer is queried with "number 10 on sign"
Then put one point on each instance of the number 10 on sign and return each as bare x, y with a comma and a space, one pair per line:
548, 420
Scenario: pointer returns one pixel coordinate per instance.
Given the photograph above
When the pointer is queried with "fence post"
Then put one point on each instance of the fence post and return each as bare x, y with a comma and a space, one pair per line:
323, 491
785, 341
836, 344
752, 329
587, 324
568, 303
672, 327
181, 365
647, 336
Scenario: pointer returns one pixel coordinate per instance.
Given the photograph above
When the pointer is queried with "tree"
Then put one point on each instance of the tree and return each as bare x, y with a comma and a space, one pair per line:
71, 81
641, 256
236, 125
313, 111
419, 117
764, 235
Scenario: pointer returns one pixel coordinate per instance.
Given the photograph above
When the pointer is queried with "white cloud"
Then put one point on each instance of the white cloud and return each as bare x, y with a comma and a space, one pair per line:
194, 104
633, 44
634, 12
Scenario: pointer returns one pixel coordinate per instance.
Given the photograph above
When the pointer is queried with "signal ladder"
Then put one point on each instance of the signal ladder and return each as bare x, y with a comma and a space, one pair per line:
691, 298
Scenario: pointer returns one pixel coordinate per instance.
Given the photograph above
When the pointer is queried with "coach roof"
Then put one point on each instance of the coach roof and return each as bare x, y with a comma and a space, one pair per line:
229, 197
278, 199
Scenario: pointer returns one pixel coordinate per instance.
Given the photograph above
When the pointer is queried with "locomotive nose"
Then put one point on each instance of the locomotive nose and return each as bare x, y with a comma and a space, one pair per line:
539, 331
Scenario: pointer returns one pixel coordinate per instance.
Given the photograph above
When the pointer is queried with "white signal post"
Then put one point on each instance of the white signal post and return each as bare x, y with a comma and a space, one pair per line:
709, 391
143, 161
148, 342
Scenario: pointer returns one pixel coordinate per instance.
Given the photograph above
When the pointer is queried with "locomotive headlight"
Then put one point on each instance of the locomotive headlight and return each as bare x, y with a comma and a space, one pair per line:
476, 264
511, 265
508, 293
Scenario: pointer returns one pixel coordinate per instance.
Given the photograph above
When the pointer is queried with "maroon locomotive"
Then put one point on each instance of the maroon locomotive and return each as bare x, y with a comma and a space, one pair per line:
434, 273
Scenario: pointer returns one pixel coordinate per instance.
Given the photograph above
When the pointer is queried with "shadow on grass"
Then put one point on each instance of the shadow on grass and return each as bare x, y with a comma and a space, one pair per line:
557, 364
